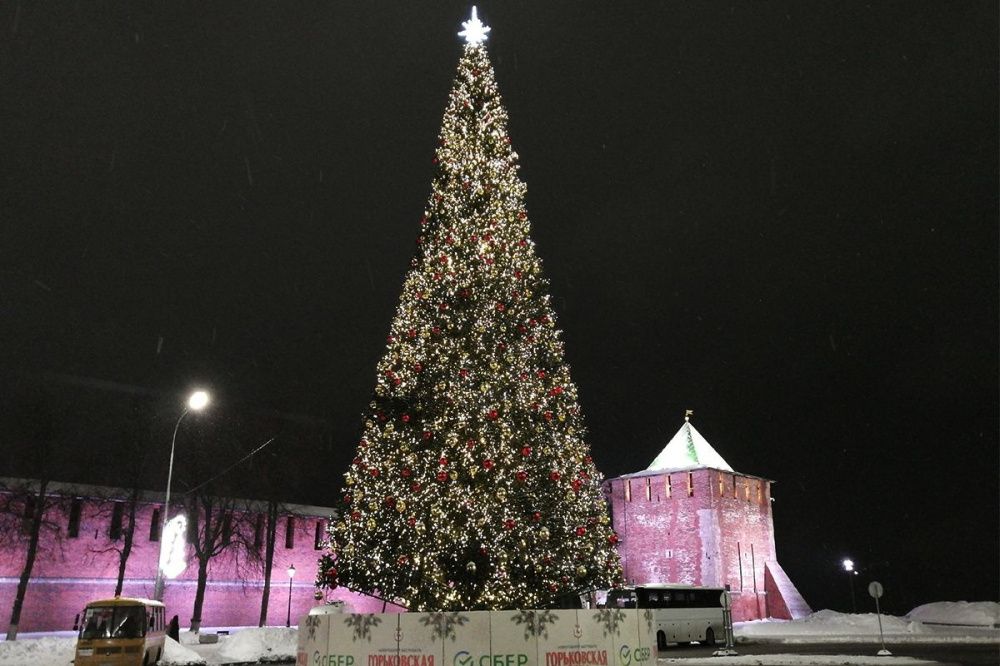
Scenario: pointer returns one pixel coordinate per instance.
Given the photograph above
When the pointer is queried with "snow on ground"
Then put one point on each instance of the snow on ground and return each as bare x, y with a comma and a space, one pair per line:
943, 622
960, 622
976, 613
180, 655
47, 650
269, 644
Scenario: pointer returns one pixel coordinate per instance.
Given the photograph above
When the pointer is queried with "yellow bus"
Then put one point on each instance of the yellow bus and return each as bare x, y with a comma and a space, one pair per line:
120, 631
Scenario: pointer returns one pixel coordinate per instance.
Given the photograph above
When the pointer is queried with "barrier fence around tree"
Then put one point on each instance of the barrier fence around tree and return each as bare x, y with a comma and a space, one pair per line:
606, 637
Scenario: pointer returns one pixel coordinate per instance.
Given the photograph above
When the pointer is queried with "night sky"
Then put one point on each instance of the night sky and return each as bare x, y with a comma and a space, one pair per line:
780, 215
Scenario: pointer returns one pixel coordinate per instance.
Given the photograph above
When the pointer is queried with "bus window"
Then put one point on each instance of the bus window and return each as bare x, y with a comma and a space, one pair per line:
113, 622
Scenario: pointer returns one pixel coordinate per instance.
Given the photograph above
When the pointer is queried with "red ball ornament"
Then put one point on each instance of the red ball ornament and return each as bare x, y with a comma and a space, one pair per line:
554, 475
347, 499
406, 472
521, 475
427, 435
576, 484
390, 501
442, 476
357, 461
581, 530
547, 415
374, 471
487, 464
493, 415
415, 488
541, 374
401, 559
355, 515
509, 524
613, 539
536, 516
411, 521
405, 418
442, 461
417, 367
500, 307
436, 330
331, 572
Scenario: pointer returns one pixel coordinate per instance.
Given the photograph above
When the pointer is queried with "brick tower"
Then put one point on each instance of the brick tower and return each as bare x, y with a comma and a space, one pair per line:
690, 519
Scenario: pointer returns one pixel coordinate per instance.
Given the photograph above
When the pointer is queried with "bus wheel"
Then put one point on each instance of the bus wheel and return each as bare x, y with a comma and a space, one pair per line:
710, 637
661, 640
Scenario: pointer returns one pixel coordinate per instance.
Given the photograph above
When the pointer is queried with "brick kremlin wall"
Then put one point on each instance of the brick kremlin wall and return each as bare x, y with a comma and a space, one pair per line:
70, 570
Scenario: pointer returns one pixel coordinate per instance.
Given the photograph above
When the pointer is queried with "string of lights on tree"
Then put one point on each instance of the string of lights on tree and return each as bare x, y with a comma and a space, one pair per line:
472, 486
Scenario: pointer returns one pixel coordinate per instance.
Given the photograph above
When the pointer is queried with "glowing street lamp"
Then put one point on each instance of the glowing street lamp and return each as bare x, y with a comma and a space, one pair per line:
196, 402
291, 575
848, 565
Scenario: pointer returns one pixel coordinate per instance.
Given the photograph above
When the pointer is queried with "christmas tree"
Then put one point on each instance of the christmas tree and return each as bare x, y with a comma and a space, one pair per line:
473, 487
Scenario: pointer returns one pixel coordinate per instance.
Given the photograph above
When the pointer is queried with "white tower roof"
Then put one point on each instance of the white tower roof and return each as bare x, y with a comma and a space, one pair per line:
688, 449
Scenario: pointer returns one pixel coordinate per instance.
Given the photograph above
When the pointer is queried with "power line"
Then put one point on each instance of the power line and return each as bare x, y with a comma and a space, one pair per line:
228, 469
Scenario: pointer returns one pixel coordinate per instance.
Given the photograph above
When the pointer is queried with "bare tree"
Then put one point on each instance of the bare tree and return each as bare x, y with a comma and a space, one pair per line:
26, 506
270, 534
119, 507
210, 530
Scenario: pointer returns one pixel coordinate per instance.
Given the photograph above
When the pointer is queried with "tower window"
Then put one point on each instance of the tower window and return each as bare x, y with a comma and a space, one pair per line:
690, 484
290, 532
154, 526
666, 486
258, 532
73, 529
628, 490
227, 528
318, 542
649, 489
722, 488
117, 513
29, 514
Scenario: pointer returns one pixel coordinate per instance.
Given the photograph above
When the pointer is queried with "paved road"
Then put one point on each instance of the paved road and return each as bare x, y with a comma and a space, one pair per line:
956, 654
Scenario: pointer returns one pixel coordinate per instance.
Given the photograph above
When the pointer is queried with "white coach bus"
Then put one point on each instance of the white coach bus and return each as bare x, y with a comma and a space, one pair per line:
682, 613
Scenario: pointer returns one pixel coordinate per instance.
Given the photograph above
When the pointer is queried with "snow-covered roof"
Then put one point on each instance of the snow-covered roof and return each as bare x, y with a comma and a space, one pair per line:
688, 450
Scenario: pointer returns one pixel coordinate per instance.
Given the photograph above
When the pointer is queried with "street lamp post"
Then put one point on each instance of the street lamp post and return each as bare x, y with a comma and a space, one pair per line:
851, 573
197, 401
291, 575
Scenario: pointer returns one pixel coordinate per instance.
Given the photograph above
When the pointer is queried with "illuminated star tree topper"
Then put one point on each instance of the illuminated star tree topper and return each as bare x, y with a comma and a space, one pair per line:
474, 30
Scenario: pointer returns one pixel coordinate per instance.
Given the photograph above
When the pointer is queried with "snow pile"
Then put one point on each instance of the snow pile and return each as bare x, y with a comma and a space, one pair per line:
963, 613
267, 644
48, 650
175, 654
827, 624
955, 624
